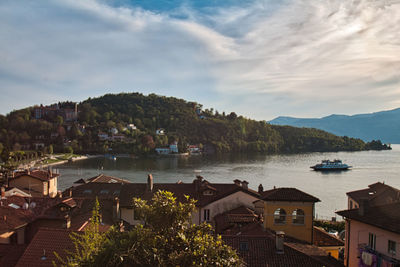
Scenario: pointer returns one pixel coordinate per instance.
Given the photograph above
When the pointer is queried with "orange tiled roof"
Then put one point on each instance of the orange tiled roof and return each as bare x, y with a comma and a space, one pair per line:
383, 216
46, 241
287, 194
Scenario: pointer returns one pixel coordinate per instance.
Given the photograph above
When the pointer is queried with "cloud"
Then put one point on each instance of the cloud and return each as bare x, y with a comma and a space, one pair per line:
258, 58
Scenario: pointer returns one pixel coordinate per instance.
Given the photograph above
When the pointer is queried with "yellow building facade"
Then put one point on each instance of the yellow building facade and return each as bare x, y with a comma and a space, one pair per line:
291, 211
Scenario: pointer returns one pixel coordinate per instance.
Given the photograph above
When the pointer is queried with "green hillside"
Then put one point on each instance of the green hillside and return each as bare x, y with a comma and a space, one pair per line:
53, 128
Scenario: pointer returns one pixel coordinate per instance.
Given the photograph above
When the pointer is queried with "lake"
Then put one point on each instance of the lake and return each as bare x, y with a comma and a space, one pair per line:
269, 170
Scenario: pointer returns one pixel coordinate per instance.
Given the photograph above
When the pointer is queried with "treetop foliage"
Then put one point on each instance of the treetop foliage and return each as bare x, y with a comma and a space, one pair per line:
165, 238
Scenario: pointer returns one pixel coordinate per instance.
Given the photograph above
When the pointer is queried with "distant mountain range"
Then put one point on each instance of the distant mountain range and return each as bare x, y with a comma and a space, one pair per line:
383, 125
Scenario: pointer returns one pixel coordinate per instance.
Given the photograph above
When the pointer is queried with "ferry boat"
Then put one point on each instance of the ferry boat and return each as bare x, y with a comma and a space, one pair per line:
328, 165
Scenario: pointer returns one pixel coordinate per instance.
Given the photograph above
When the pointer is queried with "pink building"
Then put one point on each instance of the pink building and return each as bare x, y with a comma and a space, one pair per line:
373, 227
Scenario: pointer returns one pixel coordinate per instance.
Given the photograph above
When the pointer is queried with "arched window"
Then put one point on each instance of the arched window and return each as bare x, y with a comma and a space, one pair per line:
298, 216
280, 216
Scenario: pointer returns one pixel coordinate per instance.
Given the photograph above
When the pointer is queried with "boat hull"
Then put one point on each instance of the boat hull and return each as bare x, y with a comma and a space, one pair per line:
330, 169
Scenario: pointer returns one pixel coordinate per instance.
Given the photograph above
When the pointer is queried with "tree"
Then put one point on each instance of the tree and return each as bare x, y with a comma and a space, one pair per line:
86, 244
166, 238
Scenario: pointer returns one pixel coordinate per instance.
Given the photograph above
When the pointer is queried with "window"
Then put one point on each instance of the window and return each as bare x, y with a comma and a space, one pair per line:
104, 191
243, 246
392, 247
298, 216
372, 240
206, 215
279, 216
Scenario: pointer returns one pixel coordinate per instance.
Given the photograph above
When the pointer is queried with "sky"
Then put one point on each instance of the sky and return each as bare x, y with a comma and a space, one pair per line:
258, 58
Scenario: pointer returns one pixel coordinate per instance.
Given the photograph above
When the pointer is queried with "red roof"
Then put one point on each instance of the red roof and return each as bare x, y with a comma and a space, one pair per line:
10, 254
11, 218
383, 216
287, 194
261, 249
46, 242
324, 239
377, 194
38, 174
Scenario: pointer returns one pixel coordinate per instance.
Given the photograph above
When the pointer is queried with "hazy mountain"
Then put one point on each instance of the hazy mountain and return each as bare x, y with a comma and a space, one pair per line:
383, 125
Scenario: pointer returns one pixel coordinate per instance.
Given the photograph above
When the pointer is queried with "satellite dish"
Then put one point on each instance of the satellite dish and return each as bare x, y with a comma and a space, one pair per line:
32, 205
25, 206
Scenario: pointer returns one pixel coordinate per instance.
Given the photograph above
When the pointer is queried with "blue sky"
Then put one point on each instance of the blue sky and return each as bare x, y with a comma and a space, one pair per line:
261, 59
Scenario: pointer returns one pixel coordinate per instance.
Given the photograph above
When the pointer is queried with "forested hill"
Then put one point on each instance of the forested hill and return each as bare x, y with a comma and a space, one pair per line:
136, 124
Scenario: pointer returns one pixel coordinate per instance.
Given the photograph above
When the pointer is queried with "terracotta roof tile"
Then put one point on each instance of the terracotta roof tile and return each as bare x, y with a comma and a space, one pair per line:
324, 239
107, 179
287, 194
11, 218
377, 194
10, 254
262, 251
50, 241
383, 216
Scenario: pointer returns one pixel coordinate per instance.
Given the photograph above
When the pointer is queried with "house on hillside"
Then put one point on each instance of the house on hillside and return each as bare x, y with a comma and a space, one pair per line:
372, 227
118, 137
131, 126
160, 131
36, 182
103, 136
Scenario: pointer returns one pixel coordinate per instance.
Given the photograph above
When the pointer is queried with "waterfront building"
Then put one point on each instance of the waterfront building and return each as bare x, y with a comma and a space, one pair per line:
35, 182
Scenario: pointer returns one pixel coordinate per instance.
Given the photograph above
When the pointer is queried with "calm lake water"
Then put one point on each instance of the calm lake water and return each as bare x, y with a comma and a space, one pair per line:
274, 170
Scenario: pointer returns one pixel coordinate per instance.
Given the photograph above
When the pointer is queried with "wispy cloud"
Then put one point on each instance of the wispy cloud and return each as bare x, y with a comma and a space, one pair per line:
258, 58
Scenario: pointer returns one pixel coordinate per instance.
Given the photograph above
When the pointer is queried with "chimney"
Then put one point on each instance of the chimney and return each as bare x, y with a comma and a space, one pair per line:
3, 192
197, 183
150, 182
67, 221
70, 192
116, 209
237, 182
279, 241
364, 205
260, 188
245, 185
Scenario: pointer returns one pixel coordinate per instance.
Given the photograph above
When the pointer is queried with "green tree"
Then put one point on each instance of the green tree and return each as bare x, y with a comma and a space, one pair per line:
166, 238
87, 244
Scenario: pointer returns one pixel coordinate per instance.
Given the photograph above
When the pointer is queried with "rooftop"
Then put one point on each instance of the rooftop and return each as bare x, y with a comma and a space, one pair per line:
102, 178
383, 216
377, 194
38, 174
257, 248
45, 243
287, 194
324, 239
